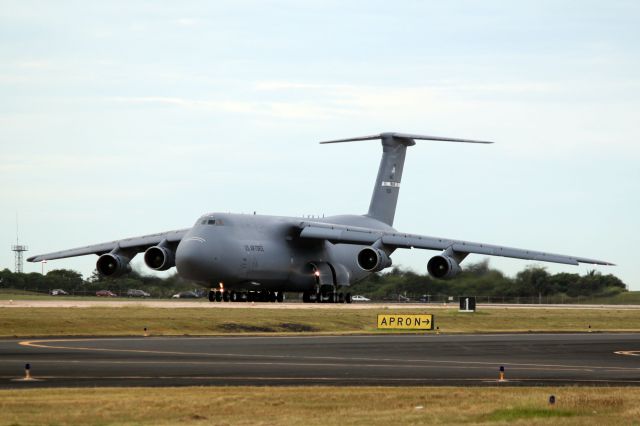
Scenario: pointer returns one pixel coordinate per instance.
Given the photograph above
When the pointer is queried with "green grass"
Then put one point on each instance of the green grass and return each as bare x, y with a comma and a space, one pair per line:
527, 413
626, 298
318, 405
131, 320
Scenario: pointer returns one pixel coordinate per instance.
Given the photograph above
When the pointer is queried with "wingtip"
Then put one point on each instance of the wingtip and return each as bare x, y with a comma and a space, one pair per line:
599, 262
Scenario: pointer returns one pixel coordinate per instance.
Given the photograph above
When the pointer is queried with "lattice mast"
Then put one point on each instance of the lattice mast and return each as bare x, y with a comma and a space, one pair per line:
18, 249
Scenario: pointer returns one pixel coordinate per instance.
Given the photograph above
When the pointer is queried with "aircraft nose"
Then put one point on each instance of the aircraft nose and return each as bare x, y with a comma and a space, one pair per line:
191, 258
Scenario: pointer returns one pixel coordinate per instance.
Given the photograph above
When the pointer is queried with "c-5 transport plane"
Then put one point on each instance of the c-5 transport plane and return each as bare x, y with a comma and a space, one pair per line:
256, 257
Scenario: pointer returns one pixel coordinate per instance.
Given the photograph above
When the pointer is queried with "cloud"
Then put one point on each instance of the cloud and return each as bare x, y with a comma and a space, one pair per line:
35, 64
520, 111
187, 22
289, 85
275, 109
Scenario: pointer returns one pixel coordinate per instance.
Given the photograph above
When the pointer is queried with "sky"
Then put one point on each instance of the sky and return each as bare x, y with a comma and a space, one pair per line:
124, 118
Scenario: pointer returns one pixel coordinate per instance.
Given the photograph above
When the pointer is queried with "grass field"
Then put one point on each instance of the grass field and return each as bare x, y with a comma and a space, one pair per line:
124, 321
629, 298
320, 406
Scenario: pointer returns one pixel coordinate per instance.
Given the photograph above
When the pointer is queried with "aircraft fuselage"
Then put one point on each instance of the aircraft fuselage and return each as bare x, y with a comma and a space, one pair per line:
256, 252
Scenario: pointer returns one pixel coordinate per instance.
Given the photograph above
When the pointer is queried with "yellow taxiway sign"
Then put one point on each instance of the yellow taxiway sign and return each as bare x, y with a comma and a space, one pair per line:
406, 321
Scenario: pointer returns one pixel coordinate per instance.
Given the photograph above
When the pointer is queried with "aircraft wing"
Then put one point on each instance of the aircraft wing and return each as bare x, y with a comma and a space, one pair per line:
137, 244
341, 234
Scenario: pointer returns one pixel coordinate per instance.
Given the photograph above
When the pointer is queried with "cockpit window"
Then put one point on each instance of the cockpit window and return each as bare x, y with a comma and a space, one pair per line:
210, 221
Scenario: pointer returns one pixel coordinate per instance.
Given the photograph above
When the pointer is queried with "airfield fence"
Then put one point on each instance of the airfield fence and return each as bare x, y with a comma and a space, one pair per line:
79, 293
506, 300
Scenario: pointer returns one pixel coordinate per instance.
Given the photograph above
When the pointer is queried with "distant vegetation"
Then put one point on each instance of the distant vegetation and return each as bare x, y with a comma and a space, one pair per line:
480, 280
73, 283
475, 280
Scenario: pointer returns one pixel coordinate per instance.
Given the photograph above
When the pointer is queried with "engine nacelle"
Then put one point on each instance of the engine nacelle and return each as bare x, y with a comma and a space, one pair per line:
113, 265
373, 260
160, 258
443, 267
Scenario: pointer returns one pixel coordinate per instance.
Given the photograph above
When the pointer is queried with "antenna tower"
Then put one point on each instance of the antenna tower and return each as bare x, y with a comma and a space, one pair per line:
18, 249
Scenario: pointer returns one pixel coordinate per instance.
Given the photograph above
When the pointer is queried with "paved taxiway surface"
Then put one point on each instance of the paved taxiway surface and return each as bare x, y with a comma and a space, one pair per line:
398, 360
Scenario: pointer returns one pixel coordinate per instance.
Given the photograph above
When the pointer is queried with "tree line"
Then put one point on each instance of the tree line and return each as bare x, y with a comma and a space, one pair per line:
73, 283
477, 279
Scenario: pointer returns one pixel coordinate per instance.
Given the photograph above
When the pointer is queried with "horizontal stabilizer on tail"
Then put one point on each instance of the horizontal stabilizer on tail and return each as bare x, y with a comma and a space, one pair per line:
404, 137
387, 186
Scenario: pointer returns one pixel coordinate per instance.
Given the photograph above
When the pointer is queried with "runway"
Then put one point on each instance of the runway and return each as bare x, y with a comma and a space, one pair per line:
395, 360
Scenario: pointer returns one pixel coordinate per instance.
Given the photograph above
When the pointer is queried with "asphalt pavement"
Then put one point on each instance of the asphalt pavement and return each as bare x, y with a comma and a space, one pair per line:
396, 360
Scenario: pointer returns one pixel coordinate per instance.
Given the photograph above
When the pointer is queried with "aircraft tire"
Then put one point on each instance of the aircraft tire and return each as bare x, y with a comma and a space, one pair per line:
218, 296
347, 298
280, 297
340, 297
225, 296
305, 297
212, 296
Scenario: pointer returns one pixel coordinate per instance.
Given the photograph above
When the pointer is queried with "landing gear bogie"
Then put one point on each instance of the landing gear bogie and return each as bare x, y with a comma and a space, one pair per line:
326, 297
246, 296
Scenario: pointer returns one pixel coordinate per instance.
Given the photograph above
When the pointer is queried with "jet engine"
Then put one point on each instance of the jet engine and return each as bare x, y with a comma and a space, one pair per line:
113, 265
373, 259
160, 258
443, 267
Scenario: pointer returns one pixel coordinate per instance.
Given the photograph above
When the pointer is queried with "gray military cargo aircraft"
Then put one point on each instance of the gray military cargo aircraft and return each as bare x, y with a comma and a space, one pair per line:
258, 258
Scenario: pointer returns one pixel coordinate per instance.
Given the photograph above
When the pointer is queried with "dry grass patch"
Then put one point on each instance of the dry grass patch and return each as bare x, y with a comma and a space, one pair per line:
131, 320
319, 406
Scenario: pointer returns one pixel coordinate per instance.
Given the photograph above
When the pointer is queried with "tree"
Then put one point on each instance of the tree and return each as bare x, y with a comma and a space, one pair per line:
65, 279
534, 280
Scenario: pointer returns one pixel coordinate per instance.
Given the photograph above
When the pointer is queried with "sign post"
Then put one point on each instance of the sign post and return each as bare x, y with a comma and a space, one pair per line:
467, 304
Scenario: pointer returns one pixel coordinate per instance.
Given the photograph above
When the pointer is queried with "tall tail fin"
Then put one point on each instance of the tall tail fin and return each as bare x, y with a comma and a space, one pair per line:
394, 147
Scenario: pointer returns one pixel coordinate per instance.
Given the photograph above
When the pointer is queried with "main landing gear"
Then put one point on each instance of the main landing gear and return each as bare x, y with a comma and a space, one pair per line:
326, 297
246, 296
